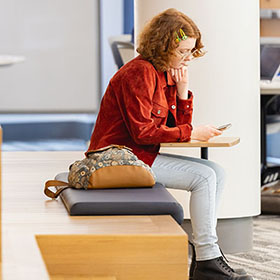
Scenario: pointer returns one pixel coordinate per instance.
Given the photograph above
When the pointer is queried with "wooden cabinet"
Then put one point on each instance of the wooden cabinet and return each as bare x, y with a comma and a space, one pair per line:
270, 27
270, 4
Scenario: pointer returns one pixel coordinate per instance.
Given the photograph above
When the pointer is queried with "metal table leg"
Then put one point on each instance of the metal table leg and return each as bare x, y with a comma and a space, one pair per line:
204, 153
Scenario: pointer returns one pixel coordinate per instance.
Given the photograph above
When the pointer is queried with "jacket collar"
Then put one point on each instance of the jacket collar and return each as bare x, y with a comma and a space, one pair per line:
169, 79
165, 79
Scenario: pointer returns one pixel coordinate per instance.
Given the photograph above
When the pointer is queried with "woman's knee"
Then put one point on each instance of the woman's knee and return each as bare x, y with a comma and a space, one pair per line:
219, 170
206, 179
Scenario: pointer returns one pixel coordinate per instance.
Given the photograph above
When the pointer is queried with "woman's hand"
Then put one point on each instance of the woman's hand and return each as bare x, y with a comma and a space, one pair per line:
204, 132
180, 77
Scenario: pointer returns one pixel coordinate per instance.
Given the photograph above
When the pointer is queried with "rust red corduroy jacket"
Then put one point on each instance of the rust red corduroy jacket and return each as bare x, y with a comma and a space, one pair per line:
140, 110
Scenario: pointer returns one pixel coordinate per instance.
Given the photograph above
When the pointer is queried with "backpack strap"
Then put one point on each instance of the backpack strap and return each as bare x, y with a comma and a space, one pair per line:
55, 183
107, 148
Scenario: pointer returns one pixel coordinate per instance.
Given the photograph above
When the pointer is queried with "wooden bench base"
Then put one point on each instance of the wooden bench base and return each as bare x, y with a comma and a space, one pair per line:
156, 252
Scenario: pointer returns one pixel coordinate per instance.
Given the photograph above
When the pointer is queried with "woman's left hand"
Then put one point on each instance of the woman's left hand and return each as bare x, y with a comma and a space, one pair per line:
180, 76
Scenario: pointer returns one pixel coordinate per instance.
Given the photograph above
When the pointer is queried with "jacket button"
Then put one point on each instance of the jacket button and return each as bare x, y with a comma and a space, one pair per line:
173, 107
158, 112
188, 106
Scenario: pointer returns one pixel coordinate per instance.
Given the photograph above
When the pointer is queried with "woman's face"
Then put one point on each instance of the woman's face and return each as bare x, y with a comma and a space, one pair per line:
183, 53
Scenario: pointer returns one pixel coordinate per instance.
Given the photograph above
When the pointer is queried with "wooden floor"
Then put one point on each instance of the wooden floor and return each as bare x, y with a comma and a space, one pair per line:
27, 213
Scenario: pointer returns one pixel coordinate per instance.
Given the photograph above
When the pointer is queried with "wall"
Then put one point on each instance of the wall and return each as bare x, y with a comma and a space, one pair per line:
60, 42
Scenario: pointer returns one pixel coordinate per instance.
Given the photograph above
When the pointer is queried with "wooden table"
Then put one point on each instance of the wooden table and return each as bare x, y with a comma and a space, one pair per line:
204, 145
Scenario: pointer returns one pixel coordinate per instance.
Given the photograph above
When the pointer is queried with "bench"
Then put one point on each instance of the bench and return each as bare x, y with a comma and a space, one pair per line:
41, 241
156, 247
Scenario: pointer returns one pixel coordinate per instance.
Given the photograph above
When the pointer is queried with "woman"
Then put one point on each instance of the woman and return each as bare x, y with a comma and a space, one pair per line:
146, 103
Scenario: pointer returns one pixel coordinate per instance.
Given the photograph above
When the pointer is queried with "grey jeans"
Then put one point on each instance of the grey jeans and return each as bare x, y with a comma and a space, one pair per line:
205, 180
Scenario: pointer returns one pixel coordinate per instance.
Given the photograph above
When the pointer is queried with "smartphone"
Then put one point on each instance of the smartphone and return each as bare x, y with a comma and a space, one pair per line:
224, 127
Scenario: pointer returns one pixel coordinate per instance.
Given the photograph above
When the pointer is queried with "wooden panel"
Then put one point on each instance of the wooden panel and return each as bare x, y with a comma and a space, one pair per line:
1, 276
0, 200
214, 142
126, 257
269, 4
270, 27
80, 277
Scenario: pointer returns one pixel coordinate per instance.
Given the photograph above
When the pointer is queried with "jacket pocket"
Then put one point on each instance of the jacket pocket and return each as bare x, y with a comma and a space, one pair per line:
159, 114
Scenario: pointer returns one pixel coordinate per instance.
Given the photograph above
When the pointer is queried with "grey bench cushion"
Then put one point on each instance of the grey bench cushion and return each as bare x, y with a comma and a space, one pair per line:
123, 201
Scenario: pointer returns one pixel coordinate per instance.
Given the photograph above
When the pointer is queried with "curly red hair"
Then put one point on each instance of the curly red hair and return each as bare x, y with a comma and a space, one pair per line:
157, 41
